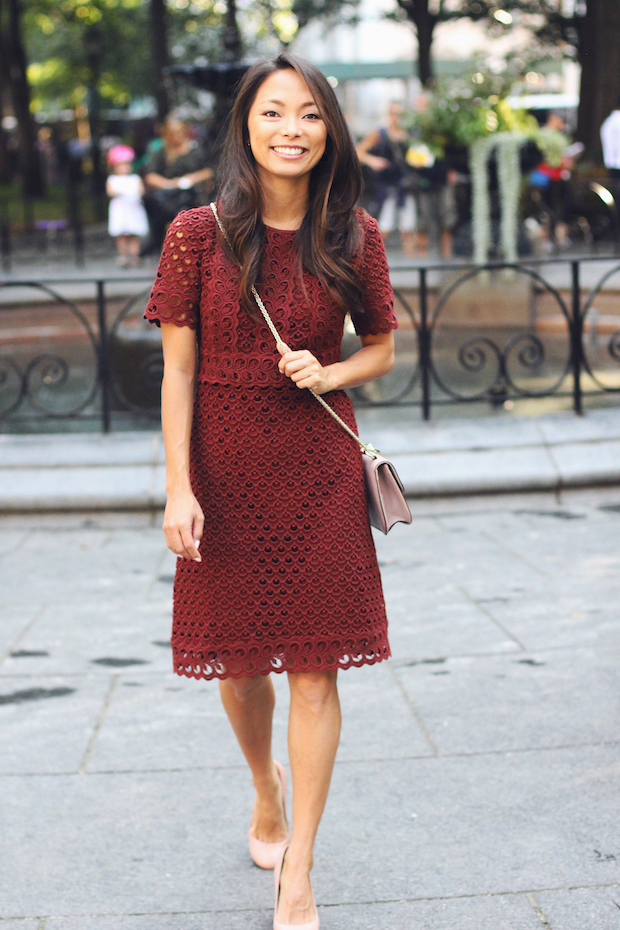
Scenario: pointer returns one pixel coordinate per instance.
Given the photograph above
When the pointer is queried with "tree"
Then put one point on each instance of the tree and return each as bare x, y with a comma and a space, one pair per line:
589, 32
5, 92
15, 57
161, 54
599, 56
423, 15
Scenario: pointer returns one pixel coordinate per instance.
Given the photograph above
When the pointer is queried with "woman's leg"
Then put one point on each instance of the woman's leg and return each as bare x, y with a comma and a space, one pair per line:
133, 246
249, 704
313, 736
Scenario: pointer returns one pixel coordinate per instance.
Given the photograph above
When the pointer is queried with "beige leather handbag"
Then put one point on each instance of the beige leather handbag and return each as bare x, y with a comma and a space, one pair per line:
384, 489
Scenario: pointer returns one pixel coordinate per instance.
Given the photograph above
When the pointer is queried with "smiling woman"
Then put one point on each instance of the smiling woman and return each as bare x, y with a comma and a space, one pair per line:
277, 570
287, 136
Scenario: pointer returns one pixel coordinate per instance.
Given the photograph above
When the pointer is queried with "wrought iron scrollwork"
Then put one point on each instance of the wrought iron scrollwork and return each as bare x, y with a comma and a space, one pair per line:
613, 343
54, 385
11, 378
444, 356
498, 365
136, 359
613, 346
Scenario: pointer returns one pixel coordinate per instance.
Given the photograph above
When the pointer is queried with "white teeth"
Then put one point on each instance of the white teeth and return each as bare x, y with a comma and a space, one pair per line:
283, 150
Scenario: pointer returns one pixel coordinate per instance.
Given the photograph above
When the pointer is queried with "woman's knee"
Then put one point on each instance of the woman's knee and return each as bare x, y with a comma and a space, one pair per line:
314, 688
245, 689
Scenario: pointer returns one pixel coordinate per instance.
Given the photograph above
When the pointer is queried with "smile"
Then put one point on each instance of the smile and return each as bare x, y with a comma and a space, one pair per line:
289, 150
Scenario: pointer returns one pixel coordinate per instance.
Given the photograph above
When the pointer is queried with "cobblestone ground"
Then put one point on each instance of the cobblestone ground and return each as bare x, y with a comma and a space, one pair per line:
477, 781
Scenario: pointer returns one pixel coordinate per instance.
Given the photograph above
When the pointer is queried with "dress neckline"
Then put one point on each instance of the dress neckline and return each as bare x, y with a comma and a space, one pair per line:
285, 232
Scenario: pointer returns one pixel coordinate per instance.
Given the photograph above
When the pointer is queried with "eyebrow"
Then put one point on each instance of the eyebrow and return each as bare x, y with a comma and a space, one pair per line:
280, 103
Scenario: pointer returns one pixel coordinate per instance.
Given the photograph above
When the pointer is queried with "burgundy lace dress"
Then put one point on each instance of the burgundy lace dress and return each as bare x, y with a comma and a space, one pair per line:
289, 578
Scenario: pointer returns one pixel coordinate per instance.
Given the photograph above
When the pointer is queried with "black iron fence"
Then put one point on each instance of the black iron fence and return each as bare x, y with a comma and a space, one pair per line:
492, 334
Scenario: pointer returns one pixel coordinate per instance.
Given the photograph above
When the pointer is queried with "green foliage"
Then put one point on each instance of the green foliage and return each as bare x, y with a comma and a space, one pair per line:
56, 36
60, 69
460, 111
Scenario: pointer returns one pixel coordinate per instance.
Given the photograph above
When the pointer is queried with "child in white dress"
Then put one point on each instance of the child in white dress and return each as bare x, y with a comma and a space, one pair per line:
127, 220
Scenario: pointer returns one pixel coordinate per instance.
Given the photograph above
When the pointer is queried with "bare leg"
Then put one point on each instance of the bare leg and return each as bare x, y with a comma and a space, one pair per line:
249, 704
313, 735
408, 240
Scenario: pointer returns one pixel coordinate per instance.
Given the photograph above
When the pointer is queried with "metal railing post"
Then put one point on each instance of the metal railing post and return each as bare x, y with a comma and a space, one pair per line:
424, 340
104, 358
576, 334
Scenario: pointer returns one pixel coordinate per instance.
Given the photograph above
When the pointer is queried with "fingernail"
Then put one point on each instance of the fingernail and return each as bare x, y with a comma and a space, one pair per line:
197, 559
197, 543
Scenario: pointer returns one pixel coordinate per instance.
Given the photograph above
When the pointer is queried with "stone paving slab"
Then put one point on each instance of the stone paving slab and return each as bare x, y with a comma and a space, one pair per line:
503, 703
115, 487
486, 455
478, 471
47, 727
500, 912
163, 842
579, 908
79, 449
587, 464
145, 724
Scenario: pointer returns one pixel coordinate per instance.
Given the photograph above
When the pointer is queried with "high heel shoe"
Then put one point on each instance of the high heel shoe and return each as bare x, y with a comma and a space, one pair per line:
313, 925
265, 855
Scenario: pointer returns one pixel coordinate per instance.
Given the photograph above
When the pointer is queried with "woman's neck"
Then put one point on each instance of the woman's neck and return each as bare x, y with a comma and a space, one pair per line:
174, 151
285, 201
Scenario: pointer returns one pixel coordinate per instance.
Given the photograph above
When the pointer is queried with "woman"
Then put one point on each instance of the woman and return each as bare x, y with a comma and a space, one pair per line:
176, 176
284, 577
384, 152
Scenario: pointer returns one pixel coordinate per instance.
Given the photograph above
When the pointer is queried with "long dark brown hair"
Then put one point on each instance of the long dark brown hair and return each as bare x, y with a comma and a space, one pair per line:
329, 234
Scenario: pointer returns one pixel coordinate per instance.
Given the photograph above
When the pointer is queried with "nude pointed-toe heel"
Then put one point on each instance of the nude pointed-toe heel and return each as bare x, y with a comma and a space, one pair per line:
313, 925
265, 855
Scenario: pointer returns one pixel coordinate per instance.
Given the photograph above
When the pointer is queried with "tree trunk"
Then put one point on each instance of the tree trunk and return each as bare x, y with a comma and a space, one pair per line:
20, 91
424, 22
600, 75
5, 168
161, 55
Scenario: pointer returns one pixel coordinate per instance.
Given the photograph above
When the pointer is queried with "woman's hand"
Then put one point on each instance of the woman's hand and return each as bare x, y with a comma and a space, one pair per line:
183, 525
306, 371
377, 163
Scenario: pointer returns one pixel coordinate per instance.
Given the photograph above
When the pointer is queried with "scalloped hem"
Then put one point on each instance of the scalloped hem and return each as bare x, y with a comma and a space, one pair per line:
193, 665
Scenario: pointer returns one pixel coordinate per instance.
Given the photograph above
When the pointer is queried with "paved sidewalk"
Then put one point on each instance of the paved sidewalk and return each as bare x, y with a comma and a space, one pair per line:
446, 457
478, 777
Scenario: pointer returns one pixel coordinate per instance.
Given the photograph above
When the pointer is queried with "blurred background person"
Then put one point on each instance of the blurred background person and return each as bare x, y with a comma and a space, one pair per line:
127, 220
552, 175
177, 177
610, 140
384, 151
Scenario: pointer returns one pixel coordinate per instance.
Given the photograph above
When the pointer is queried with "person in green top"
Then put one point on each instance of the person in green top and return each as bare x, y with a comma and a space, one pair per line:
177, 177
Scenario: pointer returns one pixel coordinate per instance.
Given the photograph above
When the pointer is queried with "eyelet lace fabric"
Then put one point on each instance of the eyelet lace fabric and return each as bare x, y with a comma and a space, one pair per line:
289, 578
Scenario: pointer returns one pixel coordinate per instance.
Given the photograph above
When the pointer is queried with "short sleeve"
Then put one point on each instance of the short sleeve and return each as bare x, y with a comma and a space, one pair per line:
175, 297
378, 314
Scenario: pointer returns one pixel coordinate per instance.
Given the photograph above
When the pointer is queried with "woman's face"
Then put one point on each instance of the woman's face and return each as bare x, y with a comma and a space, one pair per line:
176, 133
286, 131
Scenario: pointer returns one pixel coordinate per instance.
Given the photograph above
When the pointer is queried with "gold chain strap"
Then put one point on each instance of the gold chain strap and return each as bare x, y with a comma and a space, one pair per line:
367, 449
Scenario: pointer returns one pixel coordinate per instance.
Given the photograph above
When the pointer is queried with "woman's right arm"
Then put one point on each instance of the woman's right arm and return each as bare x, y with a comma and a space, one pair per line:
158, 181
183, 517
373, 161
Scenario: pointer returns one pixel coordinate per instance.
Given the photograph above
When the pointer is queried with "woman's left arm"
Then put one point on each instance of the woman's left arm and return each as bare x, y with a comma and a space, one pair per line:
374, 359
203, 174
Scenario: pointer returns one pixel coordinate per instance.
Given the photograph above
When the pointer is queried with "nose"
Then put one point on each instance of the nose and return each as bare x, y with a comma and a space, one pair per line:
292, 126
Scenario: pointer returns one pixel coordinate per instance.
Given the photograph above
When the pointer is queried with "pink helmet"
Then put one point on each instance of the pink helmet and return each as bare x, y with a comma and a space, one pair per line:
120, 153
